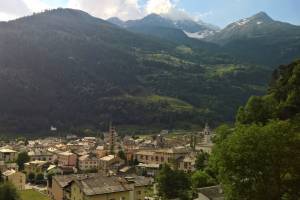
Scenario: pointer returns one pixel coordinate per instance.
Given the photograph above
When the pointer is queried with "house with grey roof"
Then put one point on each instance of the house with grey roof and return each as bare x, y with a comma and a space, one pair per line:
210, 193
99, 186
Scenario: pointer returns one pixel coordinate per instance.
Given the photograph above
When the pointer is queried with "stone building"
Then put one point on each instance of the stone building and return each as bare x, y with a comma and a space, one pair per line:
161, 156
18, 179
99, 187
8, 155
88, 162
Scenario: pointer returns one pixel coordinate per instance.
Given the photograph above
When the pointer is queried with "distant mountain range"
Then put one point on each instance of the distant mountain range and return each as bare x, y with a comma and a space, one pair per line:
68, 69
188, 27
257, 39
260, 39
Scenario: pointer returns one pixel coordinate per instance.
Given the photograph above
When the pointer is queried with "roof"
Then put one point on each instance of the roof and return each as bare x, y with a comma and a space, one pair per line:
53, 150
100, 148
9, 172
213, 192
97, 185
140, 181
39, 153
189, 159
66, 153
87, 157
149, 153
125, 169
36, 162
7, 151
90, 138
63, 180
107, 158
51, 167
148, 165
177, 150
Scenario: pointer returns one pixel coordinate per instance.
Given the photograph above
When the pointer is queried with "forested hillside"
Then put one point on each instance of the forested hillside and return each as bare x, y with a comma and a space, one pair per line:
282, 101
259, 158
68, 69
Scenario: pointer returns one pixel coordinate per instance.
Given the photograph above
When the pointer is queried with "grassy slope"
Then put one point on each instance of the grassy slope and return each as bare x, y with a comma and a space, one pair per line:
32, 195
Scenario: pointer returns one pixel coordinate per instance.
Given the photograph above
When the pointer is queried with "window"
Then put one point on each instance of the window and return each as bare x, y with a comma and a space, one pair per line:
139, 192
185, 164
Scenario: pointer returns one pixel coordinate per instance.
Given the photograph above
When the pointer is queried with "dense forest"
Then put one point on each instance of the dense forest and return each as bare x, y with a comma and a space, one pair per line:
259, 158
68, 69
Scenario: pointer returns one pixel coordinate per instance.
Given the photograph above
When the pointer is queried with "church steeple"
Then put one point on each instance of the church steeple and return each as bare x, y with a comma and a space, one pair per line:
112, 137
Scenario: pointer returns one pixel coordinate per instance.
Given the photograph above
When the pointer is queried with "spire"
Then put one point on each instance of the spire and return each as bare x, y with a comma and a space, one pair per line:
112, 138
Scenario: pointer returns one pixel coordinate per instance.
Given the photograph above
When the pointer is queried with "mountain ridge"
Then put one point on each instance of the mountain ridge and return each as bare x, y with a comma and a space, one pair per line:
260, 39
155, 20
75, 73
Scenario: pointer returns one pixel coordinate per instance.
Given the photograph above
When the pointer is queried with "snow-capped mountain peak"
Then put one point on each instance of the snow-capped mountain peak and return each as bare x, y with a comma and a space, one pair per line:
242, 22
190, 27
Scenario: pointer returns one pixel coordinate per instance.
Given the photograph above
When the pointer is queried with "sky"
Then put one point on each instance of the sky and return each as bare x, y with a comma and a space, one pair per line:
217, 12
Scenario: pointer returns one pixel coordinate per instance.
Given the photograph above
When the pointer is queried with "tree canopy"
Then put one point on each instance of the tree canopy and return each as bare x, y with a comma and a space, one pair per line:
259, 158
201, 160
281, 102
259, 162
22, 159
8, 192
173, 183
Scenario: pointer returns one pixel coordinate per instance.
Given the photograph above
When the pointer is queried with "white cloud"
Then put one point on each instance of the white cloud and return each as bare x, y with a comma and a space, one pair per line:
158, 6
167, 8
128, 9
6, 16
177, 14
36, 5
124, 9
12, 9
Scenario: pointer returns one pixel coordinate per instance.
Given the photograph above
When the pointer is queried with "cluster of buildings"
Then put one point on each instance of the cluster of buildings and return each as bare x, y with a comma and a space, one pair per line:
110, 167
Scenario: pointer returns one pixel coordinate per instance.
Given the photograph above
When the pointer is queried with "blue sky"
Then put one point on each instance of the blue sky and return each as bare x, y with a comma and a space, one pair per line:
222, 12
218, 12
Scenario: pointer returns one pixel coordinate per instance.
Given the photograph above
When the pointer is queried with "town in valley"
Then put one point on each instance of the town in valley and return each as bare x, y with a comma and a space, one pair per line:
110, 166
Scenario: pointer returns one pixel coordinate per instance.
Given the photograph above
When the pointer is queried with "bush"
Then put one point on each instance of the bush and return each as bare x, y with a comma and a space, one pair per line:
31, 177
8, 192
39, 179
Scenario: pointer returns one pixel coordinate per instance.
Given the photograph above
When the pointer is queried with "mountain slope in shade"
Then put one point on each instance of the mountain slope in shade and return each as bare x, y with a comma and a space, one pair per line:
68, 69
260, 39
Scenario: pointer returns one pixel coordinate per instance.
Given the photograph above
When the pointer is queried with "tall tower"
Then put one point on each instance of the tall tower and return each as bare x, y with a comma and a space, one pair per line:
112, 138
193, 141
206, 130
207, 133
